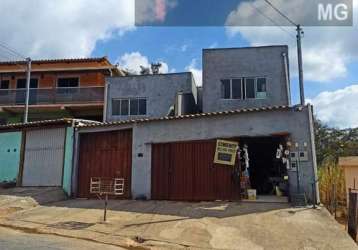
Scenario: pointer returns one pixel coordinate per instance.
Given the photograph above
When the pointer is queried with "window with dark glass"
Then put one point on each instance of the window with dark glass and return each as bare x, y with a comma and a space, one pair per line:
250, 88
21, 83
244, 88
129, 107
116, 107
4, 84
226, 89
134, 107
142, 106
125, 107
236, 88
261, 88
68, 82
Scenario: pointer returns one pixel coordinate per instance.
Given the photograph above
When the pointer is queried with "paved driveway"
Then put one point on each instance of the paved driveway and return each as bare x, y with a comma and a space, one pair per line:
207, 225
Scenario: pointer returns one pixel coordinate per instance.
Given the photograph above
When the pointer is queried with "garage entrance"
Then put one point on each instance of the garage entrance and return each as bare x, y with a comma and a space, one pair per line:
43, 161
106, 155
266, 172
185, 171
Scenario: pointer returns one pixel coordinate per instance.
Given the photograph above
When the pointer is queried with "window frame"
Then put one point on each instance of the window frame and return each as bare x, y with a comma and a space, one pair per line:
8, 82
245, 79
244, 88
231, 88
32, 78
129, 99
68, 77
261, 98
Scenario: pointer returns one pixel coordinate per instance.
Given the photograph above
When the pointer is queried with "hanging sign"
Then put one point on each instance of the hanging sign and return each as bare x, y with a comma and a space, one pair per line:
226, 152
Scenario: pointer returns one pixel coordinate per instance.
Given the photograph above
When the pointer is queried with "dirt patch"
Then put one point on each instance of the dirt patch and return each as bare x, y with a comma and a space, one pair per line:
9, 210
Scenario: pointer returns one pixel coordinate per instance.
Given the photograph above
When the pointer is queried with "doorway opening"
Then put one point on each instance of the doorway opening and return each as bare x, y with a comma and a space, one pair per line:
267, 173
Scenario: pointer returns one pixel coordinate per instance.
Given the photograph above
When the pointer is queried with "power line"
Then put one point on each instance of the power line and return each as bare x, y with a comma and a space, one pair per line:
14, 62
271, 20
14, 52
299, 50
280, 12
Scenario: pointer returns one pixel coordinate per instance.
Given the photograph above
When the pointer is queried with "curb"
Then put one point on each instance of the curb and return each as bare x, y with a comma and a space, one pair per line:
43, 232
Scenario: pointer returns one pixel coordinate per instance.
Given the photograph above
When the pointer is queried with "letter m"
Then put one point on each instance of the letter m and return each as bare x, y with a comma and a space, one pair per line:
325, 12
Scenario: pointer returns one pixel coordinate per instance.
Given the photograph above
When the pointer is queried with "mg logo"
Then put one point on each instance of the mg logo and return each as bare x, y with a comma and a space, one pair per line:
333, 12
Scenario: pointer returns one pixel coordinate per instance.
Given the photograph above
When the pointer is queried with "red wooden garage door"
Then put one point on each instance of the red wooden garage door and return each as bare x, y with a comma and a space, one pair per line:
107, 154
185, 171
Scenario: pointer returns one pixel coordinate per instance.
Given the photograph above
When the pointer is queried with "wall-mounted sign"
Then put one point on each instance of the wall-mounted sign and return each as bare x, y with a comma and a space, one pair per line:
226, 152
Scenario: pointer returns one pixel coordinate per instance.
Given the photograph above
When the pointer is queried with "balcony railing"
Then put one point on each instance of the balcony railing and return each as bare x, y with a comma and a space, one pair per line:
43, 96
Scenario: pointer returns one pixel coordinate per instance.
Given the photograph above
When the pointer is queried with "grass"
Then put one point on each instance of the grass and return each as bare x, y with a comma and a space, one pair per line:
332, 189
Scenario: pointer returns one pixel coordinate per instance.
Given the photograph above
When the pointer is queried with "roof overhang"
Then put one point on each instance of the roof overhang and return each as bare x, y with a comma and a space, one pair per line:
351, 161
46, 123
196, 116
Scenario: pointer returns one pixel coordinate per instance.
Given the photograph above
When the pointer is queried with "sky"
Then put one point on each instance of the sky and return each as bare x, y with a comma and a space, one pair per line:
94, 28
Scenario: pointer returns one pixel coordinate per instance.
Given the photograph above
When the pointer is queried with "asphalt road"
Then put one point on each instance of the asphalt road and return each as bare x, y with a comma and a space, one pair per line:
16, 240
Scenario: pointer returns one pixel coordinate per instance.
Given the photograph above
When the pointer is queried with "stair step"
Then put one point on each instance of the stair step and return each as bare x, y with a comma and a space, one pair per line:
299, 200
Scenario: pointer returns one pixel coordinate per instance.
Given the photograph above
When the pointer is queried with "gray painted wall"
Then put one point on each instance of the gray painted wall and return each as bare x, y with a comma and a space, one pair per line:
159, 90
297, 123
266, 62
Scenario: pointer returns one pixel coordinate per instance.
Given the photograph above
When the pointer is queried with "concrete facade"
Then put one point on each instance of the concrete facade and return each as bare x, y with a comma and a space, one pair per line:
269, 62
160, 92
293, 121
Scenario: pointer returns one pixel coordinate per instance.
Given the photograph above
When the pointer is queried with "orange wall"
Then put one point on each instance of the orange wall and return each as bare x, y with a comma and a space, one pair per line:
62, 65
49, 80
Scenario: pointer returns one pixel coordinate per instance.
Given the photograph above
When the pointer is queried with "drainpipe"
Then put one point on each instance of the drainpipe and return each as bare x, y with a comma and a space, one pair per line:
287, 78
106, 86
179, 104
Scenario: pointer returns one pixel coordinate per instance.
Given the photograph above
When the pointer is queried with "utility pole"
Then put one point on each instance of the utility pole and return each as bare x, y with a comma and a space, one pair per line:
300, 67
28, 80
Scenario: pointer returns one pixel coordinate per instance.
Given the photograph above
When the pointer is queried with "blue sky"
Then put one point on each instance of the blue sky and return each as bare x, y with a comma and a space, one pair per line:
82, 28
178, 46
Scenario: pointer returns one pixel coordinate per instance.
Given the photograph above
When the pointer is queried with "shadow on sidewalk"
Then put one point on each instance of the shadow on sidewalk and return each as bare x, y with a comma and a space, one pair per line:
191, 210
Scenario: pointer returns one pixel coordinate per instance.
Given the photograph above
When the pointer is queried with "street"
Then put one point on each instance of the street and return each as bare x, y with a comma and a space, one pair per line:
16, 240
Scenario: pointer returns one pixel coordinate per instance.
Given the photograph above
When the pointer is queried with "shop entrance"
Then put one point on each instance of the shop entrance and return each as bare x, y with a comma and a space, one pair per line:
267, 173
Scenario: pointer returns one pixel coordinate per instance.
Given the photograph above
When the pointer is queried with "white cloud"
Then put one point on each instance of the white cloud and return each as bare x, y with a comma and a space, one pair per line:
66, 28
213, 45
184, 47
133, 61
338, 108
197, 73
327, 51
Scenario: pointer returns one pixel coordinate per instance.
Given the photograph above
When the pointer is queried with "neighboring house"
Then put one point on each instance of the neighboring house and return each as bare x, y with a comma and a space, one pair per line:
237, 78
149, 96
38, 154
58, 88
350, 167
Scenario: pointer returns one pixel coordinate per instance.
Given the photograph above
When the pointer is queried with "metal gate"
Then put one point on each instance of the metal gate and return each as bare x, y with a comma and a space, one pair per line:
186, 171
43, 162
10, 144
105, 155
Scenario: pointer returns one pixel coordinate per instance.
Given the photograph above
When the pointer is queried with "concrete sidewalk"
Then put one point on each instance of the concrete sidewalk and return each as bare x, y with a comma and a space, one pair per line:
171, 225
18, 199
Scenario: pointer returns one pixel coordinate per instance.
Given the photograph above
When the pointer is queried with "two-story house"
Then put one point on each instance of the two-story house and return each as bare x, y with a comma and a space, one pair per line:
72, 88
166, 153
